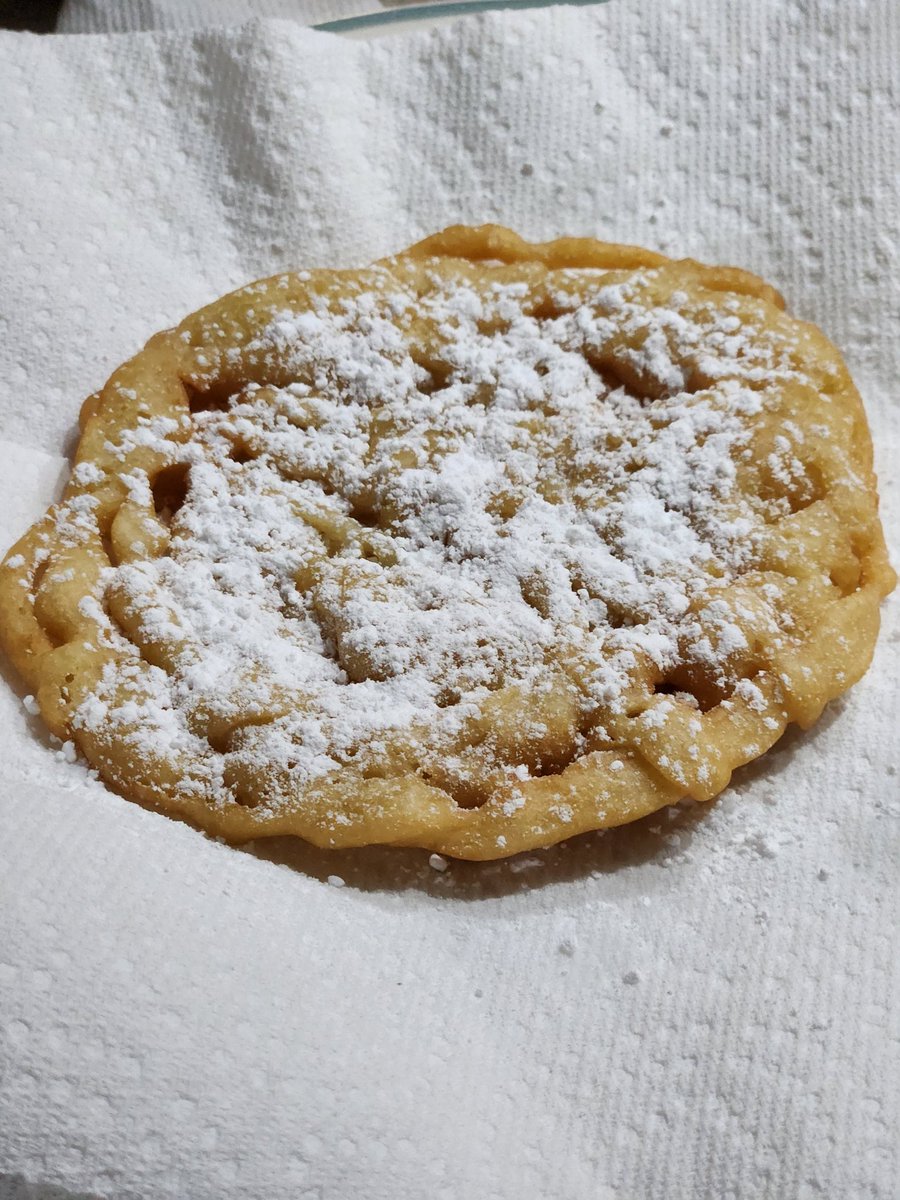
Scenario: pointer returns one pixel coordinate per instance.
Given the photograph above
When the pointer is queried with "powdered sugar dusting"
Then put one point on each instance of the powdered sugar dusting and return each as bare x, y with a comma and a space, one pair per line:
457, 493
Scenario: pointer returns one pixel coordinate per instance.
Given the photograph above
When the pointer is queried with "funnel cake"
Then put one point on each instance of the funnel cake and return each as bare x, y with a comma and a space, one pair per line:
476, 549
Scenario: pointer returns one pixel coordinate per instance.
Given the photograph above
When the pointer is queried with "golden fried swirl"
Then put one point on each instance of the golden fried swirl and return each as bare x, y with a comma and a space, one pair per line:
475, 549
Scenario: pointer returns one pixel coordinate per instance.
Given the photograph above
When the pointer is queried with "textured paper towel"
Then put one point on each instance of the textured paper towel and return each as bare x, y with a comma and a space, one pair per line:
703, 1006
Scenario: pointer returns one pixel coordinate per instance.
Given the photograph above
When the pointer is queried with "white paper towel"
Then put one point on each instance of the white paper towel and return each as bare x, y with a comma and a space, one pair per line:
701, 1006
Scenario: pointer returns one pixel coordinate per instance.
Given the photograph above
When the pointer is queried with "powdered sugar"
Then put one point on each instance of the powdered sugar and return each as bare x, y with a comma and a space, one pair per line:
459, 492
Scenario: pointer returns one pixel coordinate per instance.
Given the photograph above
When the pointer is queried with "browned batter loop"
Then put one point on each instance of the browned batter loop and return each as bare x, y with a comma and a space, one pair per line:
475, 549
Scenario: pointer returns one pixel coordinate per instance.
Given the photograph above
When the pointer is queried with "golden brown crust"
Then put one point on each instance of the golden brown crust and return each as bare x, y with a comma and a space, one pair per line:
822, 552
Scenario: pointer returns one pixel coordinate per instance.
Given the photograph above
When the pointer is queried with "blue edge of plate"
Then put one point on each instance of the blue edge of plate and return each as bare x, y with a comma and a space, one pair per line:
421, 12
